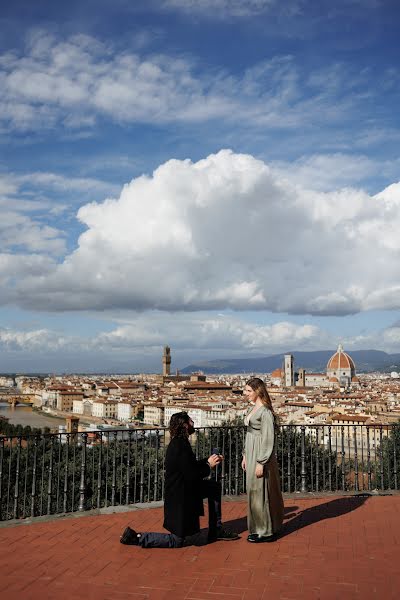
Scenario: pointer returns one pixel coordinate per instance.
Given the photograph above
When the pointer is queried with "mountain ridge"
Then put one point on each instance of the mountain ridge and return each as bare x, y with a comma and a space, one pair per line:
314, 361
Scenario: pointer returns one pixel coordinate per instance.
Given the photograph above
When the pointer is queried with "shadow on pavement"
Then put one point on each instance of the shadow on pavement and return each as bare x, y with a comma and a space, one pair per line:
327, 510
304, 518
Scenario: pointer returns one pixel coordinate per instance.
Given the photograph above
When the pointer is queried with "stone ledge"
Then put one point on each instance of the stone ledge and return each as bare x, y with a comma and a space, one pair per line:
110, 510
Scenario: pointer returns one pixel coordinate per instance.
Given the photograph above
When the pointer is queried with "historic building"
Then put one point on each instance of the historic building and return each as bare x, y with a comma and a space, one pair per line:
340, 372
341, 368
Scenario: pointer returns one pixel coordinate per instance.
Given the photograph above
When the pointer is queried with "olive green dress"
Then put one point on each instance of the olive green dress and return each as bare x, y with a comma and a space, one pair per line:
264, 497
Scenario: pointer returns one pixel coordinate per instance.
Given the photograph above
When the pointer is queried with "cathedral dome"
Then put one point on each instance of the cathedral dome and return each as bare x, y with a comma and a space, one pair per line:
340, 360
341, 364
276, 374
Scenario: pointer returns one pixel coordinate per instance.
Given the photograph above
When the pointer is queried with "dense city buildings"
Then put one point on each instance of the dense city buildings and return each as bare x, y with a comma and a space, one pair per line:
336, 397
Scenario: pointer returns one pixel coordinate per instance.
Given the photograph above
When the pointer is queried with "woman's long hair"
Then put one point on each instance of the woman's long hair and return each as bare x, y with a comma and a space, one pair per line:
258, 386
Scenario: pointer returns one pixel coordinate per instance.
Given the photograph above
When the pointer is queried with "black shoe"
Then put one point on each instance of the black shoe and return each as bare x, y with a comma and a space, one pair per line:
225, 534
252, 537
264, 538
130, 537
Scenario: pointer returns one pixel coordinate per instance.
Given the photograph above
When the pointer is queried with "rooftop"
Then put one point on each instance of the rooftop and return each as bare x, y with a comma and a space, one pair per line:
331, 548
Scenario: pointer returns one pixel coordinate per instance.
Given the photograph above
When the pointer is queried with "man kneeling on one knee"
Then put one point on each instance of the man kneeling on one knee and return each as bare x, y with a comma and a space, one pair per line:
185, 488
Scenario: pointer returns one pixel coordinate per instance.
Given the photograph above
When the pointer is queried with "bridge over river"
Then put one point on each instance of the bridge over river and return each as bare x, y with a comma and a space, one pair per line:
13, 397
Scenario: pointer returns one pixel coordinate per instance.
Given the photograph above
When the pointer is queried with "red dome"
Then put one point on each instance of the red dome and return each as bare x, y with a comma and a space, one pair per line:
340, 360
276, 373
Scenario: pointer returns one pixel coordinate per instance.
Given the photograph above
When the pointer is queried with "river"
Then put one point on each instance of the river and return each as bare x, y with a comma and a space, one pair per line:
24, 415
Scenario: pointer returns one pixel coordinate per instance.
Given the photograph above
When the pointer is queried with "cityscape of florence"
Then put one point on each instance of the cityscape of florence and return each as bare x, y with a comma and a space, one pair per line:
200, 296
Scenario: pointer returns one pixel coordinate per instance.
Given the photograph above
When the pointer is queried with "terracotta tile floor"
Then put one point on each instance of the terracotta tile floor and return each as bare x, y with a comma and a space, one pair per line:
331, 548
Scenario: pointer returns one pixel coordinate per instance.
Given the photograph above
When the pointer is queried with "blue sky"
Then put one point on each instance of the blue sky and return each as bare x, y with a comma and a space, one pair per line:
221, 176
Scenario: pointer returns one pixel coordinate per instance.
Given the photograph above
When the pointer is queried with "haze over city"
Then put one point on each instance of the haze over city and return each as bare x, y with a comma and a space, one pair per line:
219, 176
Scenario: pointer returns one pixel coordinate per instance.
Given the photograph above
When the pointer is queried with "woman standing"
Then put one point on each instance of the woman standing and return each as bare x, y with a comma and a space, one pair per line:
264, 497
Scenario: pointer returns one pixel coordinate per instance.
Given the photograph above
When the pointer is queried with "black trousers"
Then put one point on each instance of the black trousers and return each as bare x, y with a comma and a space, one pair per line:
211, 490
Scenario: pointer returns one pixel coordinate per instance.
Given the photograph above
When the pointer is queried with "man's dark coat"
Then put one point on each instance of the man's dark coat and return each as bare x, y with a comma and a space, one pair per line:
183, 502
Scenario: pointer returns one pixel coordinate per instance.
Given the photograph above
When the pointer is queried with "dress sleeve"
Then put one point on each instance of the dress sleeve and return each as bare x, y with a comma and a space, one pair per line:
267, 437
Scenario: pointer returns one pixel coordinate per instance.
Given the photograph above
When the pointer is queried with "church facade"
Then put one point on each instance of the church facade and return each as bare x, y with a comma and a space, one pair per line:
340, 373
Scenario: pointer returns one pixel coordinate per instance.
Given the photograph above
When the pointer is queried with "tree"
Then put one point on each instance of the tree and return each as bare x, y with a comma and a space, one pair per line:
388, 475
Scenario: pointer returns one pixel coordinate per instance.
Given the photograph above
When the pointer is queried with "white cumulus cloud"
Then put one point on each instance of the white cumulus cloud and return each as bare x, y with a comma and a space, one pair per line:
228, 232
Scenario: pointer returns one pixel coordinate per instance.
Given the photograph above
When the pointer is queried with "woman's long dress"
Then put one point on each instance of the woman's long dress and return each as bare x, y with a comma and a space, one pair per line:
264, 497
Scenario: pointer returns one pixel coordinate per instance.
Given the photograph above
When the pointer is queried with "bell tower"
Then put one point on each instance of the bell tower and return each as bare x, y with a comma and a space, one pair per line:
288, 370
166, 361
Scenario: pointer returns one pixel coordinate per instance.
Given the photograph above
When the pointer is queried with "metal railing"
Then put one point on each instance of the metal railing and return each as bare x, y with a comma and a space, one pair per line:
59, 473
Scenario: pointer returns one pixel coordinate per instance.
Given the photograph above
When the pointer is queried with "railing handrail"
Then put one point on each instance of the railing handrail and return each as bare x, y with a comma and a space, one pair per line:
156, 428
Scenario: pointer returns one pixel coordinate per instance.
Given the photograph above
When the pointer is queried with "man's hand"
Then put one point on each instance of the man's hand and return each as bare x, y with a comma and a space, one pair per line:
214, 460
244, 463
259, 471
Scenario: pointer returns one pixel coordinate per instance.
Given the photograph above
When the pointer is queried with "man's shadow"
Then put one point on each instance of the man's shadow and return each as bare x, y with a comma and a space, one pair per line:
293, 521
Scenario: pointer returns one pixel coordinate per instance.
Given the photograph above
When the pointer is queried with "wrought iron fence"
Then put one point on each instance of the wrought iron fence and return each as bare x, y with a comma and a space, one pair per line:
58, 473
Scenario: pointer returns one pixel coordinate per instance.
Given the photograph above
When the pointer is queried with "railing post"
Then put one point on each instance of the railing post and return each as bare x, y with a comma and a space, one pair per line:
317, 460
142, 468
381, 458
330, 456
50, 481
395, 457
82, 486
156, 446
236, 463
114, 470
303, 458
33, 490
16, 487
230, 470
128, 467
355, 458
65, 495
1, 477
100, 471
342, 462
369, 467
289, 458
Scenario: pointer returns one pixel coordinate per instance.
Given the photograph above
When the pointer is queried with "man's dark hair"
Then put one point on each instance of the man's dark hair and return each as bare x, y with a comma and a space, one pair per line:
177, 425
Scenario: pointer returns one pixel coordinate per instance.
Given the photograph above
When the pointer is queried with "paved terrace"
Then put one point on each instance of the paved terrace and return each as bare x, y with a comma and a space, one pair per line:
331, 548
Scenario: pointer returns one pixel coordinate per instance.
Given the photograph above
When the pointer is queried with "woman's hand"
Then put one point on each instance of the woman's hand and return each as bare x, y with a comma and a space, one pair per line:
259, 471
244, 463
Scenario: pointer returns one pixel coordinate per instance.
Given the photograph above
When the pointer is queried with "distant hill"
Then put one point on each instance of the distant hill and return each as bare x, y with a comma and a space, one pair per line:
365, 361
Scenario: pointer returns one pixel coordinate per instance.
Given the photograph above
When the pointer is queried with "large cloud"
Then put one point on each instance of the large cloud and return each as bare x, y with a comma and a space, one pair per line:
227, 232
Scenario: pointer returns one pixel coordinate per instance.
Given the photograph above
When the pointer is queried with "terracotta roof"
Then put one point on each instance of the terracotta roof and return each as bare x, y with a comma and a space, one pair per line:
276, 373
349, 418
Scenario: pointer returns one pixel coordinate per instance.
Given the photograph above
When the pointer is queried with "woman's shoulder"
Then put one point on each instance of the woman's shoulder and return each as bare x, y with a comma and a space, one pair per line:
266, 413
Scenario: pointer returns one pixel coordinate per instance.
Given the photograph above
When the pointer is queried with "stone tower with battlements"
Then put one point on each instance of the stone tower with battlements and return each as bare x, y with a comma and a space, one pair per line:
166, 361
